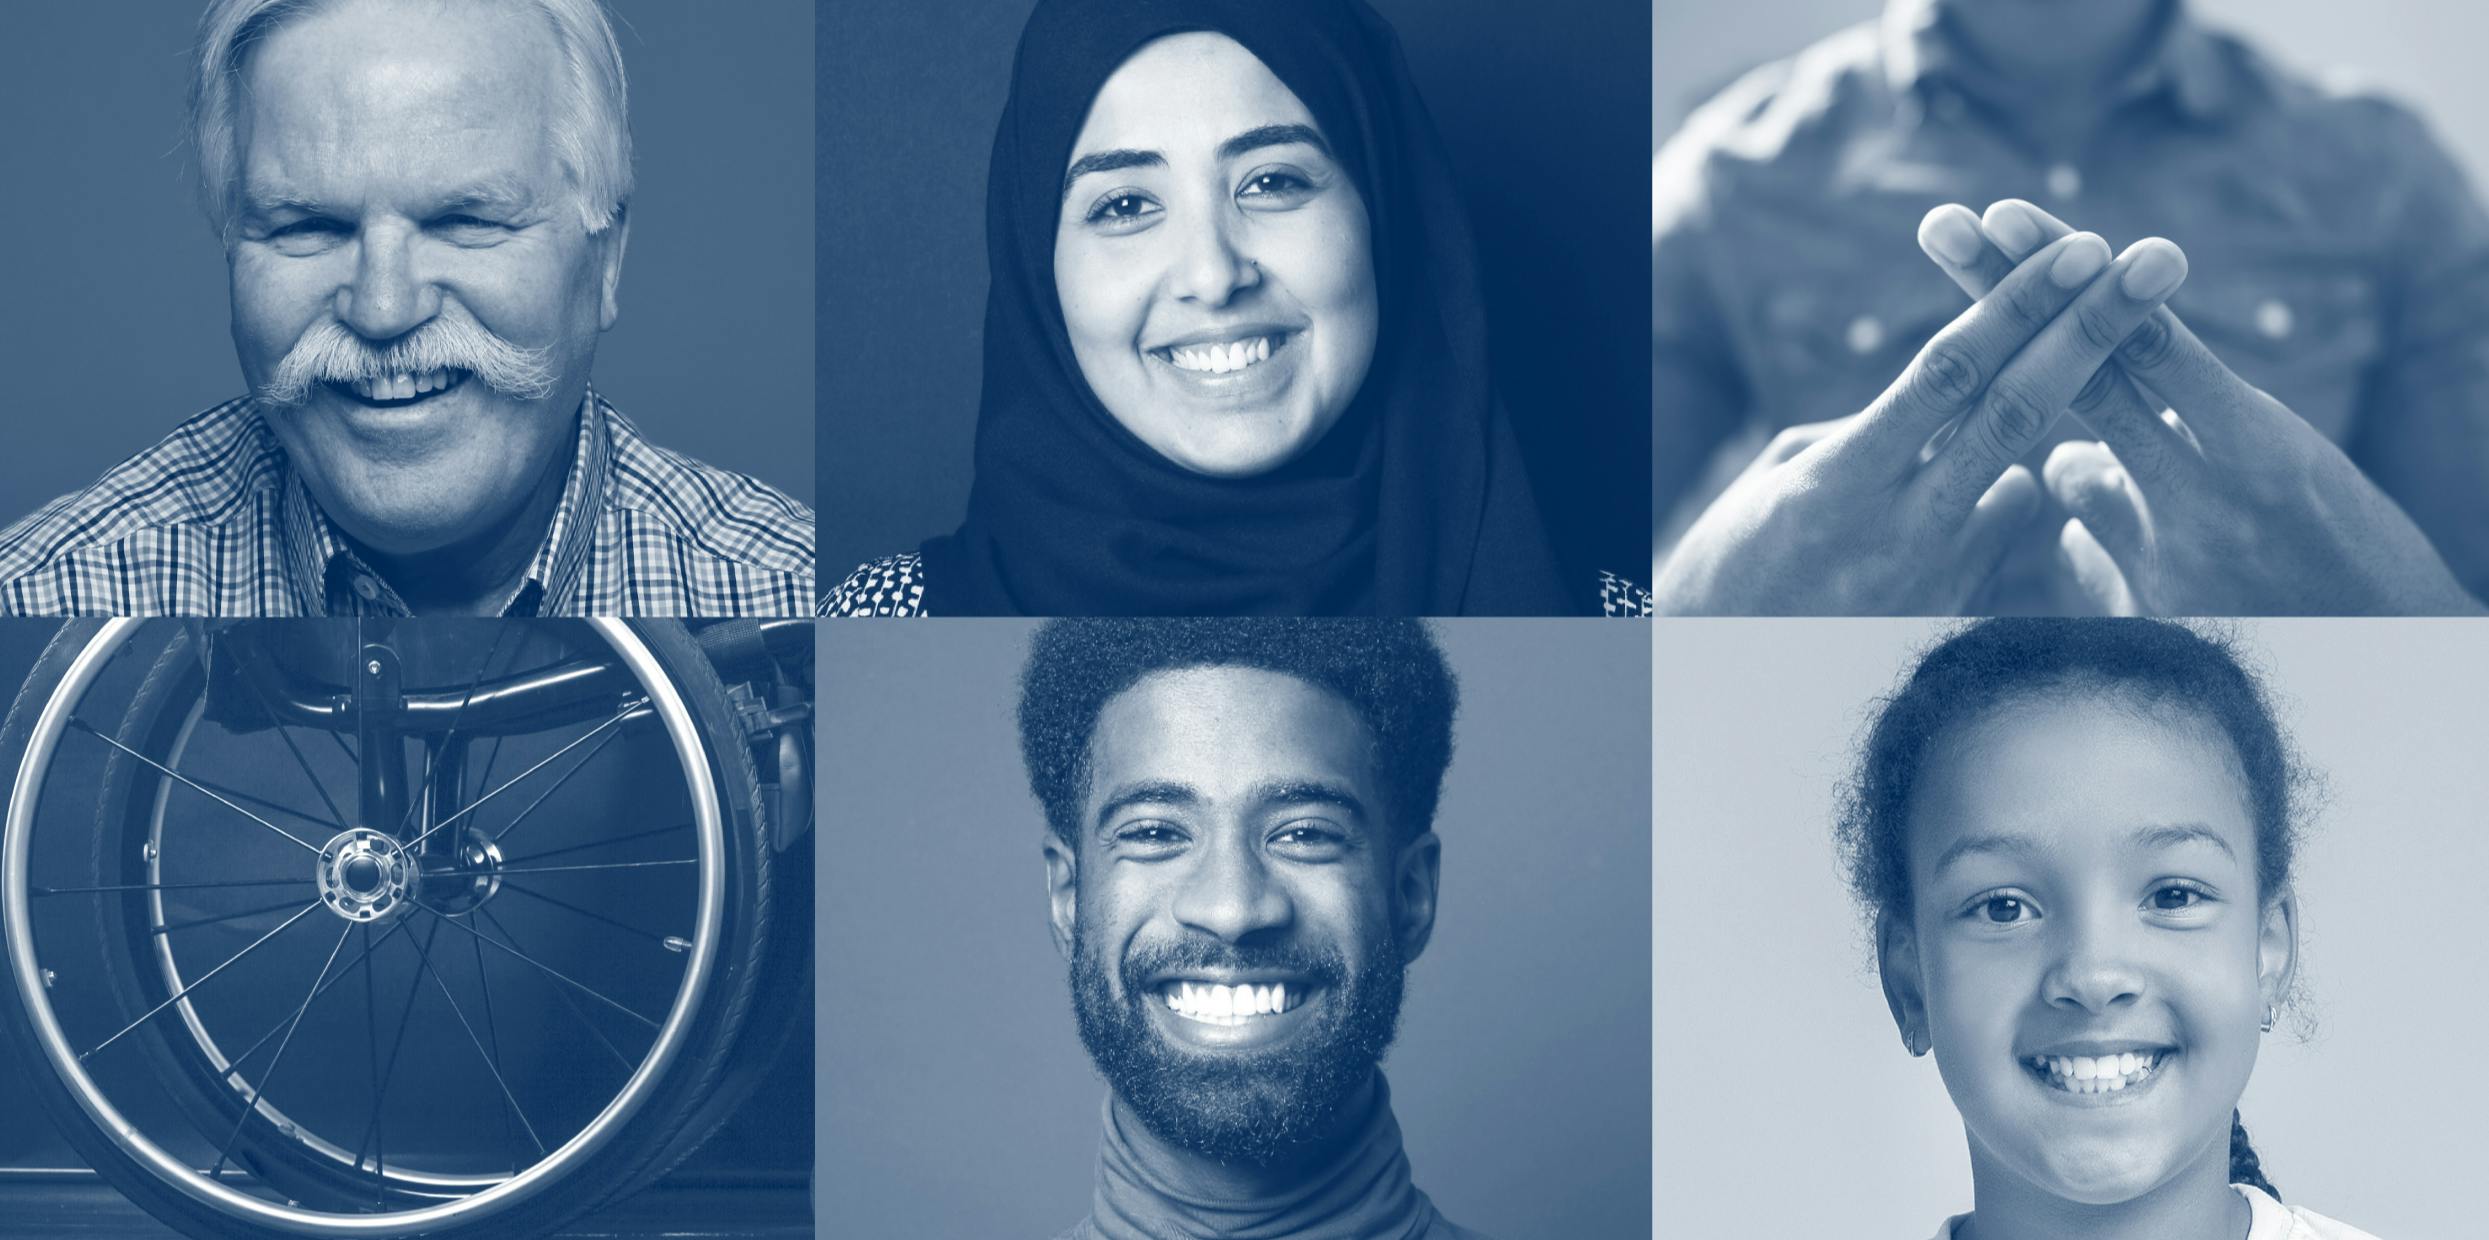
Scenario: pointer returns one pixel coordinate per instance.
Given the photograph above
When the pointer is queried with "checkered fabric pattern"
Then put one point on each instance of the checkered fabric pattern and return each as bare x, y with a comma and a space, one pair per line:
213, 522
894, 585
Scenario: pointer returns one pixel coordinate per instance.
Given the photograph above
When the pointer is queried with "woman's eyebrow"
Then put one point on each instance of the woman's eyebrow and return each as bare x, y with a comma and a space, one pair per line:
1109, 161
1272, 135
1250, 140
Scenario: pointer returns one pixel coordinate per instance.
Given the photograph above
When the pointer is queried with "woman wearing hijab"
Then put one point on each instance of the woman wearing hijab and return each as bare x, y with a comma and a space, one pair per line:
1235, 351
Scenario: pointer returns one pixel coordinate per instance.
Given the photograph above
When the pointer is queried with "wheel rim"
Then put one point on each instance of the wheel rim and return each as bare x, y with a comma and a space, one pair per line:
481, 1196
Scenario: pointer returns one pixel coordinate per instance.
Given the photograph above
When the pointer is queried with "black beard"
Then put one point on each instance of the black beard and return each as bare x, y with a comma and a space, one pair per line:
1245, 1107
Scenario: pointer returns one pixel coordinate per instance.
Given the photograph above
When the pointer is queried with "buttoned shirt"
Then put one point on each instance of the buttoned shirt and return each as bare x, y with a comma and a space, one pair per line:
2337, 258
213, 521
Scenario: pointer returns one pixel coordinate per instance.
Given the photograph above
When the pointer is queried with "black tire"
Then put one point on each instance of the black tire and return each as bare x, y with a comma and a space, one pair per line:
740, 1019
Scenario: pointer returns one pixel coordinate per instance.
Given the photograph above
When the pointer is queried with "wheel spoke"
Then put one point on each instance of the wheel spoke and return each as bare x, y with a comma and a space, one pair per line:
548, 970
337, 815
264, 803
397, 1042
487, 1057
564, 995
371, 1041
432, 752
492, 1035
629, 708
237, 882
555, 786
177, 995
235, 1068
590, 913
210, 921
609, 865
259, 1088
619, 839
88, 728
484, 777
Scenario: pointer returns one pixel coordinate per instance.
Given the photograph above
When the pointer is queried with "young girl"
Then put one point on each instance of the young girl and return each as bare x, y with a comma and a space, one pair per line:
2076, 837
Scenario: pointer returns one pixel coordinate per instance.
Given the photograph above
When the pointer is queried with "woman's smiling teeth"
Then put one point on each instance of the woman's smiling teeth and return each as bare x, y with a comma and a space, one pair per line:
2088, 1074
402, 387
1219, 359
1228, 1005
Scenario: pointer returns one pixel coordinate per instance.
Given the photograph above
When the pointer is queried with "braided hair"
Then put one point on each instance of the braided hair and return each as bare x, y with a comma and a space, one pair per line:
2245, 1168
2155, 663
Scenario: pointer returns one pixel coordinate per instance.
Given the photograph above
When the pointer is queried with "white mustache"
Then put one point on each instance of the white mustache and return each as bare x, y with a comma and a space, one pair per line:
329, 353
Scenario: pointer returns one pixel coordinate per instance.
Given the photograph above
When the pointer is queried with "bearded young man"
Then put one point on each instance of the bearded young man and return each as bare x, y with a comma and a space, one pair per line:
1241, 865
423, 208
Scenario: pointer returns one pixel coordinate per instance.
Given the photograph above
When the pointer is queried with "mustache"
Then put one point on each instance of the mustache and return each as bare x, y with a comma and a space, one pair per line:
1323, 967
330, 353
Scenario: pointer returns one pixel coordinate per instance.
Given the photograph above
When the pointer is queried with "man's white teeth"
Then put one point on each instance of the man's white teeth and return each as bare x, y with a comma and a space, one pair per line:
1229, 1005
1219, 359
2103, 1074
401, 387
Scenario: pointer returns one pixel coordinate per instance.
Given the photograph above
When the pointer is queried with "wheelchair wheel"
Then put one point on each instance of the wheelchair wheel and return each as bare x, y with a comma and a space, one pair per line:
427, 929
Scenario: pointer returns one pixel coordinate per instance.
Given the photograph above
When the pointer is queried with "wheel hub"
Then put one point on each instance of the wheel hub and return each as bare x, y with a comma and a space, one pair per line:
363, 875
463, 876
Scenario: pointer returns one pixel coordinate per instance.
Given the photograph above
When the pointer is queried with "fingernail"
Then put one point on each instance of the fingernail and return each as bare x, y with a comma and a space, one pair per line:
1950, 233
2012, 229
2157, 269
2082, 259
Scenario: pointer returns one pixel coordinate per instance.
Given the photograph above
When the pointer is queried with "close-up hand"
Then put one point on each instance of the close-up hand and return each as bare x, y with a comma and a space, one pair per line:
1859, 516
2203, 494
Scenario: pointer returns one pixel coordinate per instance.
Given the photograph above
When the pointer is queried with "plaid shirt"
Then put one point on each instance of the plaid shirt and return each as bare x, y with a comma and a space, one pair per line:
213, 522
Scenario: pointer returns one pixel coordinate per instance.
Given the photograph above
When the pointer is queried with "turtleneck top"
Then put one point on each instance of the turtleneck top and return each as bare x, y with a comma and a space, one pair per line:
1149, 1190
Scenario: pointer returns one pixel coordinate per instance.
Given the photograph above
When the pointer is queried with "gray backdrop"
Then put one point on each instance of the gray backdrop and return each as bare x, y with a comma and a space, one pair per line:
2426, 52
2373, 1119
115, 326
954, 1096
1543, 119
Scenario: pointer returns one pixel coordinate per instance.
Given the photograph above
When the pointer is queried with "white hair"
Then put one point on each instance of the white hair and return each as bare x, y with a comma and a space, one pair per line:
591, 129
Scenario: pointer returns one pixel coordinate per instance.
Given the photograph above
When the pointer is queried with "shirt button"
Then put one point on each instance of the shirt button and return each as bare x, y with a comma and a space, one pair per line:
366, 587
2273, 318
2064, 181
1866, 334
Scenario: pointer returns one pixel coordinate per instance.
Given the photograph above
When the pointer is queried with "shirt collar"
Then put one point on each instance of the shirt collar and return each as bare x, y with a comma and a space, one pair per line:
1143, 1191
1918, 46
329, 579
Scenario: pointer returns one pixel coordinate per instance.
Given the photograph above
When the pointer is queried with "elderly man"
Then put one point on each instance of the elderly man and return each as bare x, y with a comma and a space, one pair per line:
1241, 865
423, 211
2337, 260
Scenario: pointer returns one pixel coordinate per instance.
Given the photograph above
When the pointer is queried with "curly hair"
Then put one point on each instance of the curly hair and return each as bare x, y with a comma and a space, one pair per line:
1389, 671
2158, 664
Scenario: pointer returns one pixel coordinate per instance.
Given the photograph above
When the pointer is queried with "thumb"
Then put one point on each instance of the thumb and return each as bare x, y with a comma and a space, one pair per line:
2087, 479
2095, 573
2002, 511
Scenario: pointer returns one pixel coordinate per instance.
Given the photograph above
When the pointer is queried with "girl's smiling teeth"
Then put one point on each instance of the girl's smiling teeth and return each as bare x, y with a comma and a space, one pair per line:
1222, 358
2096, 1074
1229, 1005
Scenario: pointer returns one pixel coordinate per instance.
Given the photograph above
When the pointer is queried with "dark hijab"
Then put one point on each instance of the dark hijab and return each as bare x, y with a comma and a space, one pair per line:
1415, 503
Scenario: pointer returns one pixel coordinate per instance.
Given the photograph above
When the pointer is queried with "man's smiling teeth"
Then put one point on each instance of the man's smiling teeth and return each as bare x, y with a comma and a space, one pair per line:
1228, 1005
1219, 359
400, 387
2086, 1074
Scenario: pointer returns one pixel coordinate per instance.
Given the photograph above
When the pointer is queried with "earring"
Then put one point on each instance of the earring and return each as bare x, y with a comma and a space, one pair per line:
2268, 1018
1910, 1038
